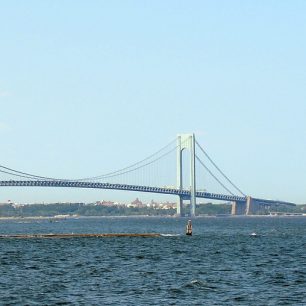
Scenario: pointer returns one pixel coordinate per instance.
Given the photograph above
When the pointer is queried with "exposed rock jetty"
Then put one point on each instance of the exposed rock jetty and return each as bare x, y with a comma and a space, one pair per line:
28, 236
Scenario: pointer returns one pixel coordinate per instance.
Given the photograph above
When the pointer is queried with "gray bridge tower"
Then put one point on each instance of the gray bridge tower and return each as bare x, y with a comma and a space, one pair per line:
186, 141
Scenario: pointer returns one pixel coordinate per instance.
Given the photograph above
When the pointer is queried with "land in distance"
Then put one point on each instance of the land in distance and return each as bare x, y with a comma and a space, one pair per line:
82, 209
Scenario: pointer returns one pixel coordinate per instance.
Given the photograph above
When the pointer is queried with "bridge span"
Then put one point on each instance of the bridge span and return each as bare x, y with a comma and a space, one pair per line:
240, 204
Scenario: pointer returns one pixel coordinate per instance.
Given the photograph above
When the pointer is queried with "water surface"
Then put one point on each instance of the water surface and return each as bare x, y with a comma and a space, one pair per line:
221, 264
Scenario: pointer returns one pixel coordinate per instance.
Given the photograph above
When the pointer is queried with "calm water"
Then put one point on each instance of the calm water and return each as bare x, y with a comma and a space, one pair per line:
219, 265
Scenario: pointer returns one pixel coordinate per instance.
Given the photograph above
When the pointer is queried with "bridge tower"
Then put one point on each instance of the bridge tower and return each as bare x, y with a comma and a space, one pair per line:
186, 141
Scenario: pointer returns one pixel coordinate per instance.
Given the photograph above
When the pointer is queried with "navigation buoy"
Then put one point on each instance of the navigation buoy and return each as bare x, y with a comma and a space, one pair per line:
189, 228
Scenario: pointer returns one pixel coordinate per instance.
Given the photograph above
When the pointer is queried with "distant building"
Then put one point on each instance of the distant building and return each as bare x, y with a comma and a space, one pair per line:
137, 203
153, 204
105, 203
168, 205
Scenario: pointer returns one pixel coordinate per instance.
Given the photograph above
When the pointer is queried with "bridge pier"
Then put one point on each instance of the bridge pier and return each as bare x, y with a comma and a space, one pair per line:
193, 200
179, 207
186, 141
254, 207
238, 208
248, 207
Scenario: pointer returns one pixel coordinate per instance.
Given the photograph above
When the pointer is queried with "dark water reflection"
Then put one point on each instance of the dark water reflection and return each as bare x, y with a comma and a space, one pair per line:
220, 265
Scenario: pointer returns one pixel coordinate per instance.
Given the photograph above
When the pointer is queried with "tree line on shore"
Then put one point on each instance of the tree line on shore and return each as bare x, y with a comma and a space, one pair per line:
82, 209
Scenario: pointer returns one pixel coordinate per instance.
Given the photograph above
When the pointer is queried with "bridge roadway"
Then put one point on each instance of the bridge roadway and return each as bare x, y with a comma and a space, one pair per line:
185, 194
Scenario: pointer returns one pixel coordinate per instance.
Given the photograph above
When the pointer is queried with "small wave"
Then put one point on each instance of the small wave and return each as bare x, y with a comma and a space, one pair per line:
201, 284
195, 281
170, 235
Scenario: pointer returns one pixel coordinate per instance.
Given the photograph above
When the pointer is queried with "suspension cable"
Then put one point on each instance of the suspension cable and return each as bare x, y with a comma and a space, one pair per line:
222, 173
123, 170
141, 166
18, 175
24, 173
207, 169
107, 175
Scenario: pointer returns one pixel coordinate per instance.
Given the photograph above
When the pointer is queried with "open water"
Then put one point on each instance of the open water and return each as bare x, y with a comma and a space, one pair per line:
221, 264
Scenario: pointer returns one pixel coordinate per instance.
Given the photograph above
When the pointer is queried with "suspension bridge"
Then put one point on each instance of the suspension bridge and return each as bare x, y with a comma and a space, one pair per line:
152, 175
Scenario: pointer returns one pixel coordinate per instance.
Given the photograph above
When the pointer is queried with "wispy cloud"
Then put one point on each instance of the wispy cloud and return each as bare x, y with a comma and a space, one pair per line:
4, 93
4, 127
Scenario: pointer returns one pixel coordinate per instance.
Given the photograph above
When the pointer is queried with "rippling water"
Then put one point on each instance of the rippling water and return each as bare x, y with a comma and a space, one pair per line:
221, 264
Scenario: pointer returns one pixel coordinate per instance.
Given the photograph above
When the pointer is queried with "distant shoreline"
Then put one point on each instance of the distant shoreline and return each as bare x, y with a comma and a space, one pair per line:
63, 217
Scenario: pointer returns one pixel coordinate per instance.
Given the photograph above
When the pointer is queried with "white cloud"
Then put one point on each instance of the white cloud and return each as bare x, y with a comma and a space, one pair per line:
4, 127
4, 93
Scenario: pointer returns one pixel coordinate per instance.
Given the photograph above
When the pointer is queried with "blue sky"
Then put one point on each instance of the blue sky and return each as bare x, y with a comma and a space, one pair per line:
92, 86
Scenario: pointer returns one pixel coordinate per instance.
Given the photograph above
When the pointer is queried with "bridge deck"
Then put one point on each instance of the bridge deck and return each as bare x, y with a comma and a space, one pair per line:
97, 185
